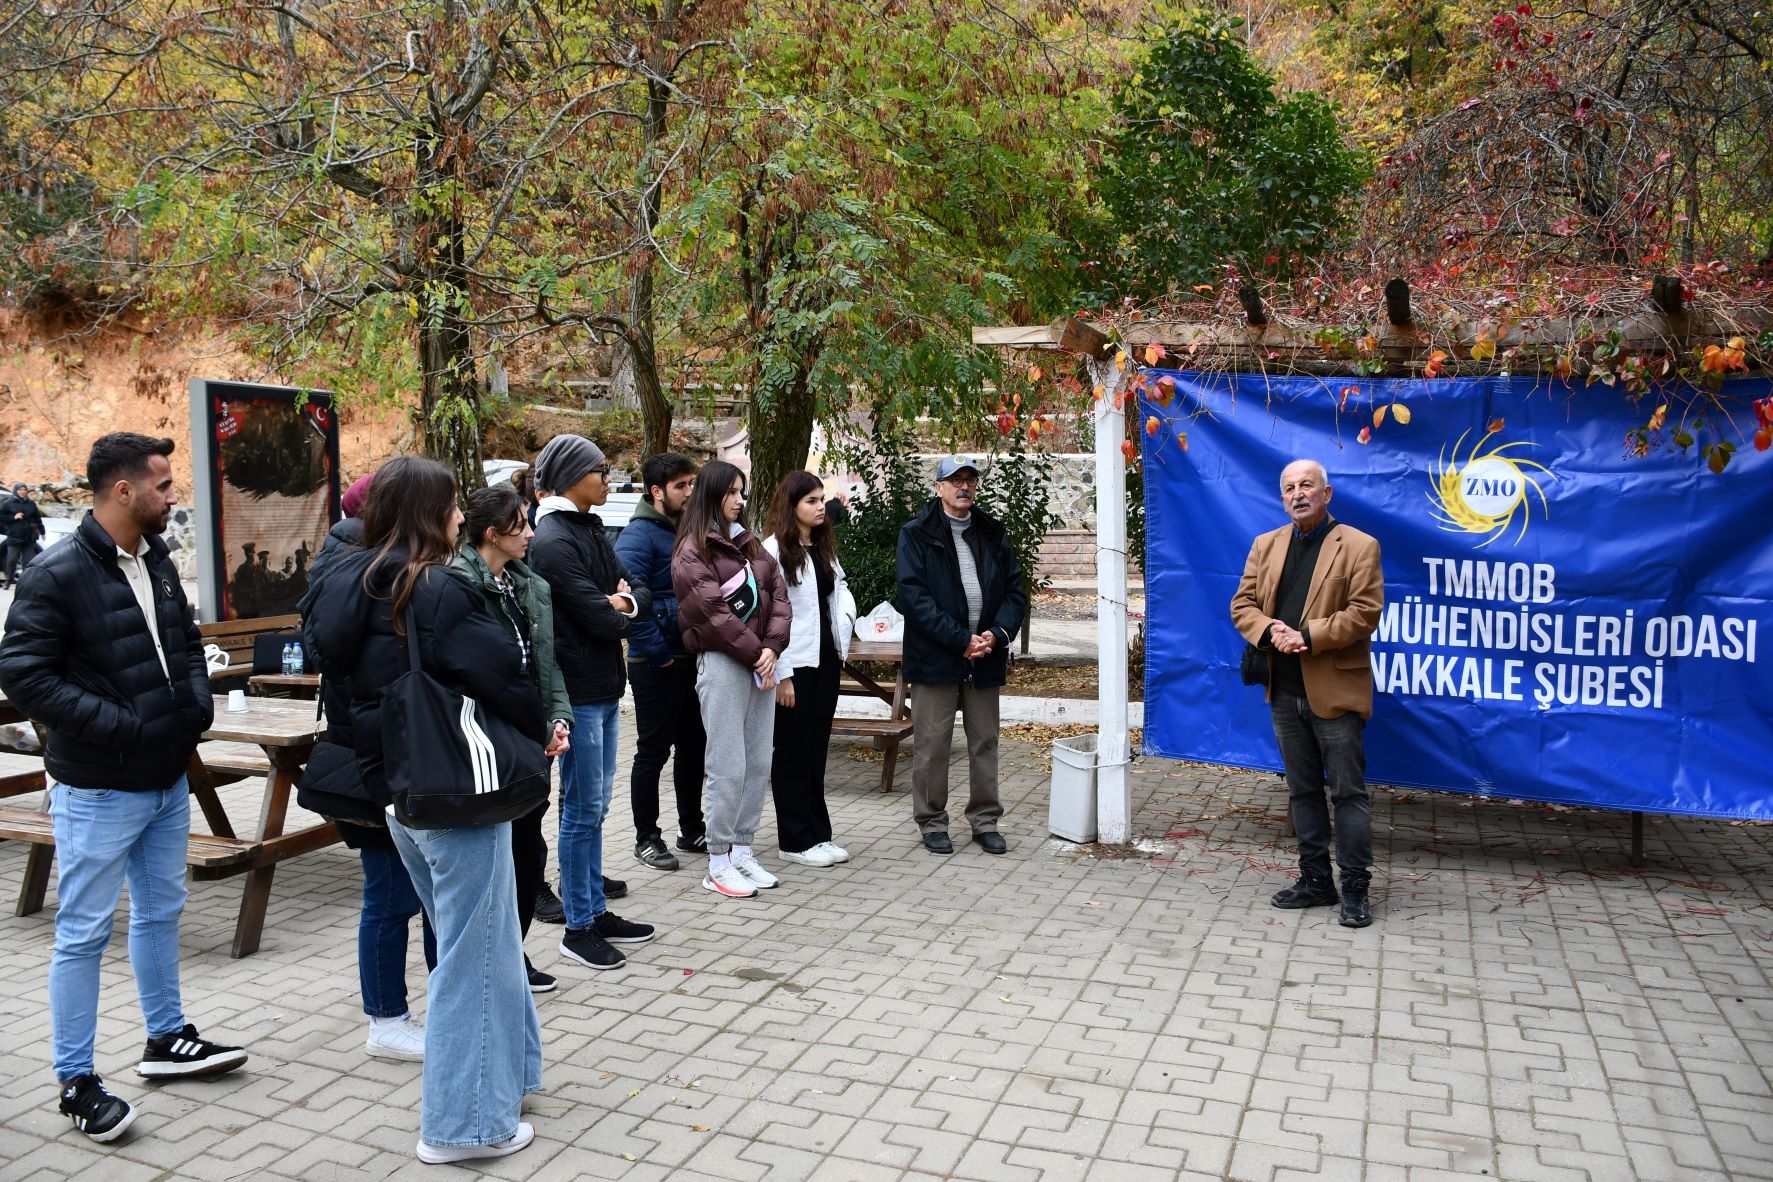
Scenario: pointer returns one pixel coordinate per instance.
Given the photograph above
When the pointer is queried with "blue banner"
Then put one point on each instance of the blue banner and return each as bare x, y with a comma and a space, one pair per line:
1564, 621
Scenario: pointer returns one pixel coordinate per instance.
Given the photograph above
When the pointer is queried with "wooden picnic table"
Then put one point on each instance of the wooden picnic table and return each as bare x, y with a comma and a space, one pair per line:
272, 738
886, 733
9, 712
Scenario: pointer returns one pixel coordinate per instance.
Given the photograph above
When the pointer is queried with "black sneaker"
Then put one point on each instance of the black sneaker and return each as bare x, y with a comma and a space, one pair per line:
590, 949
540, 982
187, 1053
549, 908
692, 845
652, 852
96, 1112
617, 930
614, 888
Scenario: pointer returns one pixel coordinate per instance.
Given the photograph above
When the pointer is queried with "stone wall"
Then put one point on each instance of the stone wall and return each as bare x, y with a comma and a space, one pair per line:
181, 532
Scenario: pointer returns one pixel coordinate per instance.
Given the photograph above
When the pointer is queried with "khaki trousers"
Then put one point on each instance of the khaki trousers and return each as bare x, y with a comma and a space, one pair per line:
932, 746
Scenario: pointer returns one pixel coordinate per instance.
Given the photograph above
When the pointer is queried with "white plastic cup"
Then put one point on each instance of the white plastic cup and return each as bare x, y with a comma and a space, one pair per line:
236, 701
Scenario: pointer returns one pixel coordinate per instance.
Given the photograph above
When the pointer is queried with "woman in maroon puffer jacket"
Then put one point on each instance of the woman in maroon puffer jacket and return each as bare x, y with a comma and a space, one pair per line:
733, 612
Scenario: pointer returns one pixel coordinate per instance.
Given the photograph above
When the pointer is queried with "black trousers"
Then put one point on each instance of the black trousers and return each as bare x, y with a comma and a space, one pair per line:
797, 769
17, 554
1319, 752
529, 858
667, 719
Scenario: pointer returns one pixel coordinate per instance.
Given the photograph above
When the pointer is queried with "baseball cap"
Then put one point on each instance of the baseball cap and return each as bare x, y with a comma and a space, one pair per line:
948, 465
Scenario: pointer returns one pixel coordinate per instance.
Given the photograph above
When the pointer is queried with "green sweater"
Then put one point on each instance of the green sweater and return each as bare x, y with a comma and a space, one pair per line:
538, 603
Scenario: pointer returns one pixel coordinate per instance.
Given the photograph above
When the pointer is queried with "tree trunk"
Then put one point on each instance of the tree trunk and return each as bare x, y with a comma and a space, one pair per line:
655, 408
449, 407
449, 401
781, 426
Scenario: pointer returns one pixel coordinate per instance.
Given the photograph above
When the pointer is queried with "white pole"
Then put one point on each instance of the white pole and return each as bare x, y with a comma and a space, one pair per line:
1113, 792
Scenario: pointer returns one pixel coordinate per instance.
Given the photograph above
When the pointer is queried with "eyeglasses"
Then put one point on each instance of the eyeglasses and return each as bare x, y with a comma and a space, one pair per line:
603, 471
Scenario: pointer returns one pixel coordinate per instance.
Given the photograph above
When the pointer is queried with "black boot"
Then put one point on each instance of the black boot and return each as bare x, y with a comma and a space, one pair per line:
1307, 892
1355, 912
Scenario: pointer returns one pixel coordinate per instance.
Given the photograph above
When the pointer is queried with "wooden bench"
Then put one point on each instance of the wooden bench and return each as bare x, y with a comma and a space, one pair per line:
20, 773
236, 637
885, 733
238, 760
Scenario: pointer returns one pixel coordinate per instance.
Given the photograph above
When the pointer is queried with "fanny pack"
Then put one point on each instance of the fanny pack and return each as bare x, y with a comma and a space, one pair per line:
740, 592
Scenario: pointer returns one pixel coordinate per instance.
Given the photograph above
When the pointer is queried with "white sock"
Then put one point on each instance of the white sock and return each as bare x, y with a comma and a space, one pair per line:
376, 1023
719, 861
741, 851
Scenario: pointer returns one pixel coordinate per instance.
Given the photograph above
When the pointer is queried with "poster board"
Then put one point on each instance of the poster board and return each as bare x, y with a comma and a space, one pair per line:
265, 471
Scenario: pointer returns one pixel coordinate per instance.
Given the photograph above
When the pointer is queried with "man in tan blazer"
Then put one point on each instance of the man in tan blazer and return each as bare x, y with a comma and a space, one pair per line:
1309, 599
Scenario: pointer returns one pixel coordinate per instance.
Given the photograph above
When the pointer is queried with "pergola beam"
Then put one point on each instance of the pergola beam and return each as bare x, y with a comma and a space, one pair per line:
1067, 334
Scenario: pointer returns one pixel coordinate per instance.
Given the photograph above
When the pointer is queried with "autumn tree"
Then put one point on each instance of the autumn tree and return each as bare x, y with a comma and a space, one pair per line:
1597, 132
376, 191
891, 177
1207, 164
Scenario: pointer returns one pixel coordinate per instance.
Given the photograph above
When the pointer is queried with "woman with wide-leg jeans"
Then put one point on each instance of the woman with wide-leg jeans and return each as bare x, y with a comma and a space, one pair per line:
483, 1046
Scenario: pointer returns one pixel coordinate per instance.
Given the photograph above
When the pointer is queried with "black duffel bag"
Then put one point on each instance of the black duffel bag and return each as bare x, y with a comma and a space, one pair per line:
450, 762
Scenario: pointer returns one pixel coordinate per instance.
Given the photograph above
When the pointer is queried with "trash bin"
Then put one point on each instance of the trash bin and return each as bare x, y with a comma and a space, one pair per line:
1072, 813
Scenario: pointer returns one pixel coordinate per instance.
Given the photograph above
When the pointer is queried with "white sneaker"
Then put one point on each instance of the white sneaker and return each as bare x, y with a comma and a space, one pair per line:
748, 865
819, 855
833, 851
437, 1155
403, 1040
729, 881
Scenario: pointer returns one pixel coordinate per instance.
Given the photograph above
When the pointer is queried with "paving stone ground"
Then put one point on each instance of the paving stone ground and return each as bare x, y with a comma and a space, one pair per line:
1528, 1007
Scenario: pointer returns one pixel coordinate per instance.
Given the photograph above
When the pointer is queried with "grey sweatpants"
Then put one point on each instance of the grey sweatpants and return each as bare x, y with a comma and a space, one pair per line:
740, 721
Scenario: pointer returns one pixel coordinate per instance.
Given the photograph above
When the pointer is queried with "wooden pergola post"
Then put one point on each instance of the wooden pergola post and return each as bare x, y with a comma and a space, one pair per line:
1113, 748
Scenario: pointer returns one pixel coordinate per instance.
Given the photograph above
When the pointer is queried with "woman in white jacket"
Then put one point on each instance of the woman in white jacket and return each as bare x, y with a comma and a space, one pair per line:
824, 618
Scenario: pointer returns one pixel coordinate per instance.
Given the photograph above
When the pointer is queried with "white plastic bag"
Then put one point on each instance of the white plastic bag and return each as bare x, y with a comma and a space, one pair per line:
884, 623
216, 657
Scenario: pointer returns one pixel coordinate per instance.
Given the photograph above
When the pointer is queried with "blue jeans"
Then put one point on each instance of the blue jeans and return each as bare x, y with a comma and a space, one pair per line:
587, 776
103, 836
1319, 751
389, 903
483, 1045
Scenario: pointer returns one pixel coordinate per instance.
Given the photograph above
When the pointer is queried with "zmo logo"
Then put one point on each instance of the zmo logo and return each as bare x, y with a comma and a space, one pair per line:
1485, 493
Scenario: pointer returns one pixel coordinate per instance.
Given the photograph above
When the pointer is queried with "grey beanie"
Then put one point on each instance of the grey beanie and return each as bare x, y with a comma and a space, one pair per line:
564, 462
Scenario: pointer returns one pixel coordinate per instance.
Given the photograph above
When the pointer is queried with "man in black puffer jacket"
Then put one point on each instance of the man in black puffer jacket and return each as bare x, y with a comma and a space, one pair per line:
101, 650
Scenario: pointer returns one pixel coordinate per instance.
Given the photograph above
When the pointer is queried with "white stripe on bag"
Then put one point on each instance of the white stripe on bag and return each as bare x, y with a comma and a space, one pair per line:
480, 751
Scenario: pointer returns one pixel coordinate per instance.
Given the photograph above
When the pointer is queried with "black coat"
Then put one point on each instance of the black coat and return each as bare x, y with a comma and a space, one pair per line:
21, 533
351, 633
332, 785
935, 605
79, 660
572, 553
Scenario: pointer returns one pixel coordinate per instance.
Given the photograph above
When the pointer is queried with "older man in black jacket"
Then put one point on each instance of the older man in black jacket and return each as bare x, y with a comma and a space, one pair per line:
101, 650
961, 591
22, 522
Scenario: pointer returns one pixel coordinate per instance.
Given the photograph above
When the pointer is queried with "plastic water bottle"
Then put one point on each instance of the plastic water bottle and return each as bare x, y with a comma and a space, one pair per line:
286, 659
295, 657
